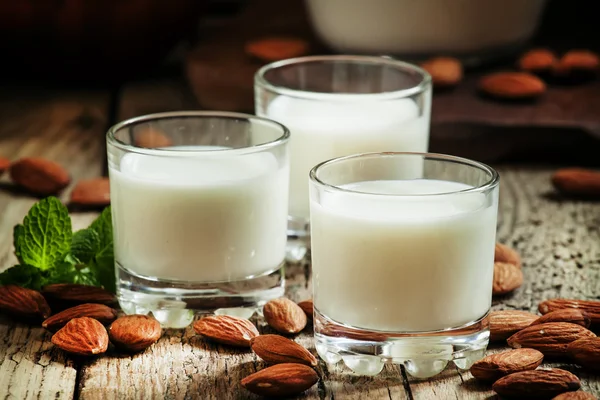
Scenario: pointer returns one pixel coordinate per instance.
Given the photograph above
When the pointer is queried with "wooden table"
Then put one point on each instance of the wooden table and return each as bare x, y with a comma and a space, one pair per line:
559, 240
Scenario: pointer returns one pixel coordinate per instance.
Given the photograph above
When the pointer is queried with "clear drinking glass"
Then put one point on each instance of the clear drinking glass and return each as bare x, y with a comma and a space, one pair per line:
337, 106
199, 207
402, 260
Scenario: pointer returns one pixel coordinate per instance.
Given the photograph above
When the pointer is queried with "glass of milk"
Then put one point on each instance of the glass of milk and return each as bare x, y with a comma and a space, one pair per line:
403, 258
340, 105
199, 224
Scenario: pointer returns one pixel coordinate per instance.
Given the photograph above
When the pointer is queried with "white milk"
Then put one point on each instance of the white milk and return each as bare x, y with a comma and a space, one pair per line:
211, 219
326, 129
414, 263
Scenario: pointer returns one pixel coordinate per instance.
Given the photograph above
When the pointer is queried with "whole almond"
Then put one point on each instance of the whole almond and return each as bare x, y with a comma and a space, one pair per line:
281, 380
82, 336
4, 164
505, 254
284, 316
577, 182
577, 61
308, 307
75, 293
507, 277
23, 303
152, 138
91, 192
590, 307
275, 349
550, 338
100, 312
571, 315
538, 384
538, 61
504, 324
585, 352
578, 395
444, 71
512, 85
225, 329
39, 176
276, 48
495, 366
134, 332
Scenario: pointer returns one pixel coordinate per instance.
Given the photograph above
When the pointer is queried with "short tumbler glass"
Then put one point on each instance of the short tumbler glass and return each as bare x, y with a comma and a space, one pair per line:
199, 209
402, 260
337, 106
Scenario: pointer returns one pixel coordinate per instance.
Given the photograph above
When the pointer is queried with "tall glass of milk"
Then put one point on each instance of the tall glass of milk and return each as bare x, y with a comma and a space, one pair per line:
200, 222
402, 260
340, 105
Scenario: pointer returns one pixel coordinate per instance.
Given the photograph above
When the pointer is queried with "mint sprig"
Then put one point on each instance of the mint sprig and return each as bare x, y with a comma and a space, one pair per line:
49, 252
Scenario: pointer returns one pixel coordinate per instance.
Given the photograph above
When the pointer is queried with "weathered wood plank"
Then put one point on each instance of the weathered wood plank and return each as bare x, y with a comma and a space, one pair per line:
67, 129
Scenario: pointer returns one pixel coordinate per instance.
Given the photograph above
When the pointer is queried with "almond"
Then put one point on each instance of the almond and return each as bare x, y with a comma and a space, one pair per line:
308, 307
571, 315
577, 182
538, 61
23, 303
585, 352
496, 366
75, 293
577, 61
91, 192
4, 164
538, 384
281, 380
99, 312
225, 329
134, 332
512, 85
276, 48
504, 324
444, 71
284, 316
275, 349
82, 336
505, 254
590, 307
550, 338
507, 277
39, 176
578, 395
151, 138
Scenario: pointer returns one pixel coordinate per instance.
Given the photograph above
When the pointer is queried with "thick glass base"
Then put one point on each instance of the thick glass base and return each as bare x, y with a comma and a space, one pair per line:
423, 354
298, 243
174, 303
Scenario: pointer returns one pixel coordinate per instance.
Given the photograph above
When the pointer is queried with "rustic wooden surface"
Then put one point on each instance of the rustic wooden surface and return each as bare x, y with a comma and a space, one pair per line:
558, 238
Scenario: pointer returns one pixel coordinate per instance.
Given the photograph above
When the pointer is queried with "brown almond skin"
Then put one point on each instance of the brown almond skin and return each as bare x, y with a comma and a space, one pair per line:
4, 164
577, 61
152, 138
512, 85
281, 380
91, 193
82, 336
504, 324
39, 176
134, 333
585, 352
577, 182
506, 254
308, 307
75, 293
23, 303
507, 277
590, 307
276, 48
275, 349
495, 366
228, 330
538, 384
445, 71
571, 315
578, 395
284, 316
100, 312
550, 338
537, 61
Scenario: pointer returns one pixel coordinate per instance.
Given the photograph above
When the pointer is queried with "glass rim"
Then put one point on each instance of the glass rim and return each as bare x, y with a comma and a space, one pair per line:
491, 183
112, 140
421, 87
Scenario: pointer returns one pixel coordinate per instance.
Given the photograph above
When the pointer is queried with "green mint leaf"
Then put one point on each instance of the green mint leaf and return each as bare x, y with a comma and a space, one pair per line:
18, 232
85, 245
46, 234
23, 275
68, 272
104, 261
